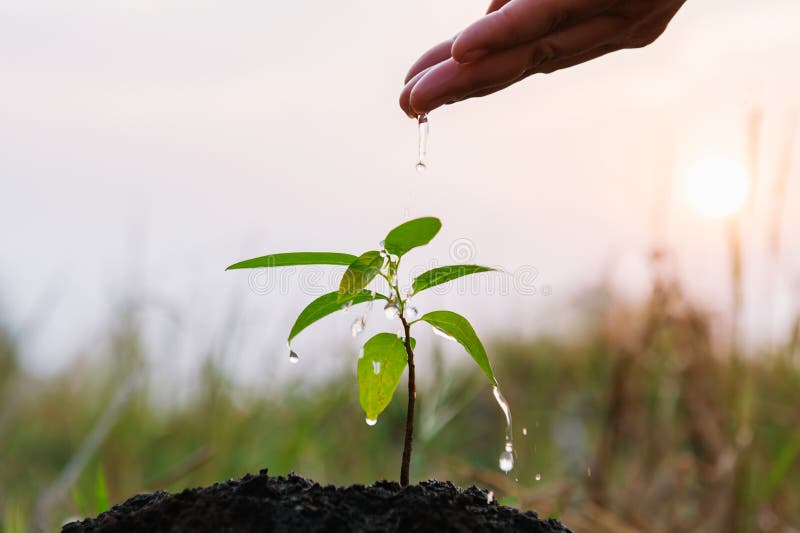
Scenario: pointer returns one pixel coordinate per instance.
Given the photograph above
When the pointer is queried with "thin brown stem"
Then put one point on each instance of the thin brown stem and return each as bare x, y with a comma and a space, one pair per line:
412, 396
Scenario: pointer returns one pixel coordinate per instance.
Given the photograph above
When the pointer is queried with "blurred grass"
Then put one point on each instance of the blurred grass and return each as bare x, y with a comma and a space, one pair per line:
638, 424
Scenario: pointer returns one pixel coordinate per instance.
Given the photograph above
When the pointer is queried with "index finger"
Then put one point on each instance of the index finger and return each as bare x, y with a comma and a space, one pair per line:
521, 21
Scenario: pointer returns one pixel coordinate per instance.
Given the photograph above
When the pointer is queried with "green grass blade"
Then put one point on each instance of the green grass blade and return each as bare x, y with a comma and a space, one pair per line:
443, 274
411, 234
789, 453
101, 492
295, 259
326, 305
459, 328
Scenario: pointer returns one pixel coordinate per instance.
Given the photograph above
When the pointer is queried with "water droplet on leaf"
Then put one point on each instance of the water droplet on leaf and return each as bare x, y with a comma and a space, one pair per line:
538, 477
376, 367
441, 333
524, 431
371, 421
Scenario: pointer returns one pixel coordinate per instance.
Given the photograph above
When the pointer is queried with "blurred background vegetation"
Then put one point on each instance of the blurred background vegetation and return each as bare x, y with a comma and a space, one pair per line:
648, 421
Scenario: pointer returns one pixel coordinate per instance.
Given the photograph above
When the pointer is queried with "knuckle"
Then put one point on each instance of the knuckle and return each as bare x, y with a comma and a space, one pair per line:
543, 51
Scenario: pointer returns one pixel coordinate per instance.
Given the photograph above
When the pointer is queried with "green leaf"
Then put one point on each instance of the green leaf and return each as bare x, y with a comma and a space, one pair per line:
358, 275
460, 329
294, 259
100, 492
411, 234
324, 306
440, 275
379, 372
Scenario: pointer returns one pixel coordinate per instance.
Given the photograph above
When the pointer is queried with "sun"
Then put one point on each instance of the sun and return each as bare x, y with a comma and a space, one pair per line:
716, 185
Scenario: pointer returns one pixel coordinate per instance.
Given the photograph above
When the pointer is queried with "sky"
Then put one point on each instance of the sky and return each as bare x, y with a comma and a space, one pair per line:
145, 146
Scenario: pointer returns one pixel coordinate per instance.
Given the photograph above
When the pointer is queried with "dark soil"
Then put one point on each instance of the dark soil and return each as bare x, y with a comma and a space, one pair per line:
293, 503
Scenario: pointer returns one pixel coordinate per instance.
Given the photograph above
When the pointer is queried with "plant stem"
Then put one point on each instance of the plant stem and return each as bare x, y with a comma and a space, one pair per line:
412, 396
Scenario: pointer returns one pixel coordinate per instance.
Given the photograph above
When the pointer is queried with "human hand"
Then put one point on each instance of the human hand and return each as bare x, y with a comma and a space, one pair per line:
518, 38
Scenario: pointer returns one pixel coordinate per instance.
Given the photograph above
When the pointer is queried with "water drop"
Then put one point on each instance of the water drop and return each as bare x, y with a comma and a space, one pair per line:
422, 149
358, 325
490, 496
376, 367
506, 461
524, 431
391, 310
538, 477
501, 401
293, 357
441, 333
412, 312
507, 457
371, 421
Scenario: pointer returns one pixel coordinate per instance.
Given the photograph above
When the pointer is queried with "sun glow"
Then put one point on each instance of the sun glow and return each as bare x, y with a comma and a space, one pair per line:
716, 186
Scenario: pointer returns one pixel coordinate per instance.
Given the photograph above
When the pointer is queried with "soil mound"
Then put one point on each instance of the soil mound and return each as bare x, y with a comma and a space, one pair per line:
293, 503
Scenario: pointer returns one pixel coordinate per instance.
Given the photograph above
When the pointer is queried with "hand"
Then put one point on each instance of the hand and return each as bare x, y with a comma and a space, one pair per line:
518, 38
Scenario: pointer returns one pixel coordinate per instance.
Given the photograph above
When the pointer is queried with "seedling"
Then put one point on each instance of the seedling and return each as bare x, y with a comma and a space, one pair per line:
386, 355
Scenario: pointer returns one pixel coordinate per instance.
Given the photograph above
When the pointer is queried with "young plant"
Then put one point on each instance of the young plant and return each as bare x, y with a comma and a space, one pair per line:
386, 355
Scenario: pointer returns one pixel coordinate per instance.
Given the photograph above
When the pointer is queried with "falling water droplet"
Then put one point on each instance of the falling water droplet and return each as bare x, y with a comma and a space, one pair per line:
524, 431
293, 357
507, 457
358, 325
441, 333
506, 461
490, 496
538, 477
376, 367
371, 421
422, 149
391, 310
